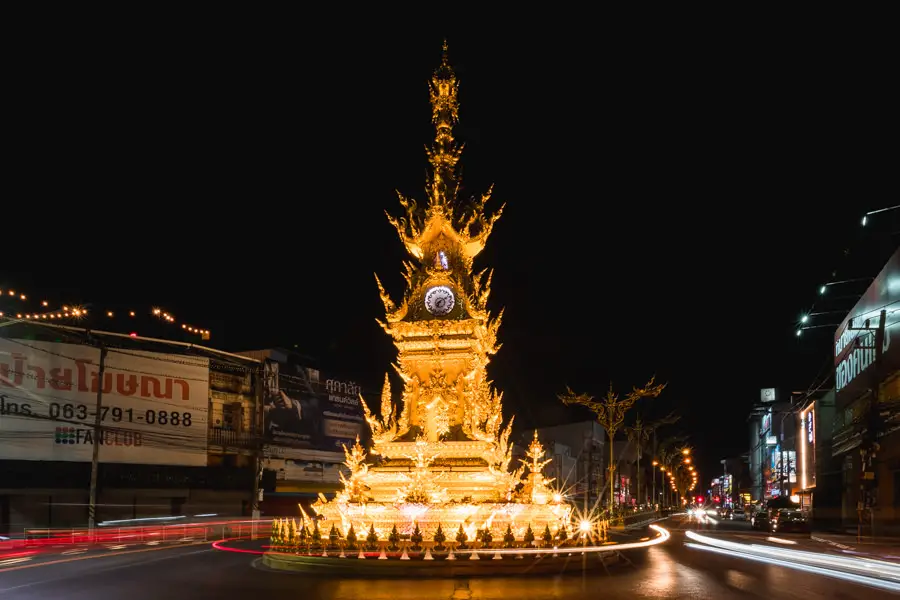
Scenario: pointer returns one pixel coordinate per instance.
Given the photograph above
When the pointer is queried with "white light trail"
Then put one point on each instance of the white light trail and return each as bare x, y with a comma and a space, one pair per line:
662, 537
781, 541
861, 570
861, 579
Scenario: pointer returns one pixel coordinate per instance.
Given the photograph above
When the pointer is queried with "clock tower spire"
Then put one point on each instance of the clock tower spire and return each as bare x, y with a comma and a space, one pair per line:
444, 152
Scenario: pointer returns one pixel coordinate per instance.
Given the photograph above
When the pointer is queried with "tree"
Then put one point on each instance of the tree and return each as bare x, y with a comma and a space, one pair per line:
439, 538
610, 413
638, 434
563, 534
333, 537
394, 539
416, 538
372, 539
509, 539
486, 538
547, 537
351, 538
275, 532
529, 537
292, 534
461, 538
316, 536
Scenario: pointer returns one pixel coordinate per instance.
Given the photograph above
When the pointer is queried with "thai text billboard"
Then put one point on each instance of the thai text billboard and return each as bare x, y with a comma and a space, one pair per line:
856, 341
304, 410
153, 406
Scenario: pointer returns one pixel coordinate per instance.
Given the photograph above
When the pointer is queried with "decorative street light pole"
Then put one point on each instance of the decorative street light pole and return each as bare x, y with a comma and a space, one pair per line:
610, 413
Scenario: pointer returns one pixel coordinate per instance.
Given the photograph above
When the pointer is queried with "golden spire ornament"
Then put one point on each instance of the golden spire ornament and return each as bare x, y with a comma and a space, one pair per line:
444, 153
537, 486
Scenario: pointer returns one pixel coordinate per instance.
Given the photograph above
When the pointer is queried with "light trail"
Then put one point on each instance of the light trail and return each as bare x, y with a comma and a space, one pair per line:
663, 536
781, 541
860, 570
852, 577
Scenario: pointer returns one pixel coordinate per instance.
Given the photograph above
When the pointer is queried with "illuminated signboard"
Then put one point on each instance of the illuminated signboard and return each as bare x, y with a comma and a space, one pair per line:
856, 343
806, 437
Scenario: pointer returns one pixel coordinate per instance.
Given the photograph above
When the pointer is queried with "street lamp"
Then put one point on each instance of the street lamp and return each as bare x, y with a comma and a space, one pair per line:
653, 471
610, 413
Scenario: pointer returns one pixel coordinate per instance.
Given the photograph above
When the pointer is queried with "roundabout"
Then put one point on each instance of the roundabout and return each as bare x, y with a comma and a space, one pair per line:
449, 561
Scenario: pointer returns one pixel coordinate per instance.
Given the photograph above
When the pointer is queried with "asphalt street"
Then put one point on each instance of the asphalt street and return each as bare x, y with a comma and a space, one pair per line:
672, 570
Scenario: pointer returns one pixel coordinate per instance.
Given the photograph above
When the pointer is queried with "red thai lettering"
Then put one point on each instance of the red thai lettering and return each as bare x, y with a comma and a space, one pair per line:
17, 372
126, 385
152, 387
80, 364
61, 379
107, 382
37, 373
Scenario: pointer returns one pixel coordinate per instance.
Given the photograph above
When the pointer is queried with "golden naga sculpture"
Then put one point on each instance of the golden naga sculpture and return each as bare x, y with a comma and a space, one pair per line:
444, 456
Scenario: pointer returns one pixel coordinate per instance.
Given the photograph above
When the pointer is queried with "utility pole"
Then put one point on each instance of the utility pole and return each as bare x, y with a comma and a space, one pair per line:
95, 450
257, 440
725, 501
868, 498
589, 448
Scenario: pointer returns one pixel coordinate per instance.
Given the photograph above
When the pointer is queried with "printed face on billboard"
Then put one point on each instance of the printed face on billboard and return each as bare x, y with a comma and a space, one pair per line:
307, 412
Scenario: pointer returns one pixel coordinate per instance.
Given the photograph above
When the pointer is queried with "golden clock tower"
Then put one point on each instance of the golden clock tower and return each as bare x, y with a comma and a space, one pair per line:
442, 329
443, 454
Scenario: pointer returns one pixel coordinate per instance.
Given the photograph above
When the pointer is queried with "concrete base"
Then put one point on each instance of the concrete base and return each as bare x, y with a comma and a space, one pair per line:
440, 567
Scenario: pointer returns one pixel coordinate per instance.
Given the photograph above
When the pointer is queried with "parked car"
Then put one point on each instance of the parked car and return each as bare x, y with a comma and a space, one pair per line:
789, 520
760, 520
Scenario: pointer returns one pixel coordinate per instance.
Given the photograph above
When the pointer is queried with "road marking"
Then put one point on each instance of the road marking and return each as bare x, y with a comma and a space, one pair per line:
837, 545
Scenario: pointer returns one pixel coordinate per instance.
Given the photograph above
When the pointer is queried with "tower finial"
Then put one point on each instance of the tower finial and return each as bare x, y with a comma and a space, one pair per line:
444, 153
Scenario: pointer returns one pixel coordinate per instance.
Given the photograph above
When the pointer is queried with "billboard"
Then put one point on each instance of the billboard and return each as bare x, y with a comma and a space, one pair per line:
303, 410
153, 407
806, 435
856, 339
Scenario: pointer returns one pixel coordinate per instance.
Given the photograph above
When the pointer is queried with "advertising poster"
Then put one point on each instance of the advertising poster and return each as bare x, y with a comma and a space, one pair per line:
304, 410
862, 336
153, 407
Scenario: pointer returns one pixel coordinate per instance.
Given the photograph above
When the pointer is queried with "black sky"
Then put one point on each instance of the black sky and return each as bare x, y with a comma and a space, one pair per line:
671, 206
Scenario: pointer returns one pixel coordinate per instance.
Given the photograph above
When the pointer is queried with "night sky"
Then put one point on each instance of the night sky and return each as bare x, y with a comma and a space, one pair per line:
670, 209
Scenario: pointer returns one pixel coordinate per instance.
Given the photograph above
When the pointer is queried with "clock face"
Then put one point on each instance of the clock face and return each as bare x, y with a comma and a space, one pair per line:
439, 300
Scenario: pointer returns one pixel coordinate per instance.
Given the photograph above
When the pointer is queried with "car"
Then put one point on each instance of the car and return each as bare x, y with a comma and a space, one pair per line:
788, 520
738, 514
760, 520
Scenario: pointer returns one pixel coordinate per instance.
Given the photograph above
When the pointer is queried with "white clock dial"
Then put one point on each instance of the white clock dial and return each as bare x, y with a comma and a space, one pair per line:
439, 300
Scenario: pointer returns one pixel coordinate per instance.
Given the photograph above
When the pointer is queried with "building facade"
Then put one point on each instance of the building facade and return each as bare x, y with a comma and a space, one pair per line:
865, 442
579, 459
183, 430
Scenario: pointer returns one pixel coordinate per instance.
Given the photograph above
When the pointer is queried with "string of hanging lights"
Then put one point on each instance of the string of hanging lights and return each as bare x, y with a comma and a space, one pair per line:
16, 304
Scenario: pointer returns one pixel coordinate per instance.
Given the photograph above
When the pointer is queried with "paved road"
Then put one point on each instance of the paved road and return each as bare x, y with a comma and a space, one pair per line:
673, 570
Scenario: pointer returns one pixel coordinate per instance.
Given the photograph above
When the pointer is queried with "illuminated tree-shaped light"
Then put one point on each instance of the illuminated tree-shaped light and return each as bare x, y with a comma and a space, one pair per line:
537, 486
